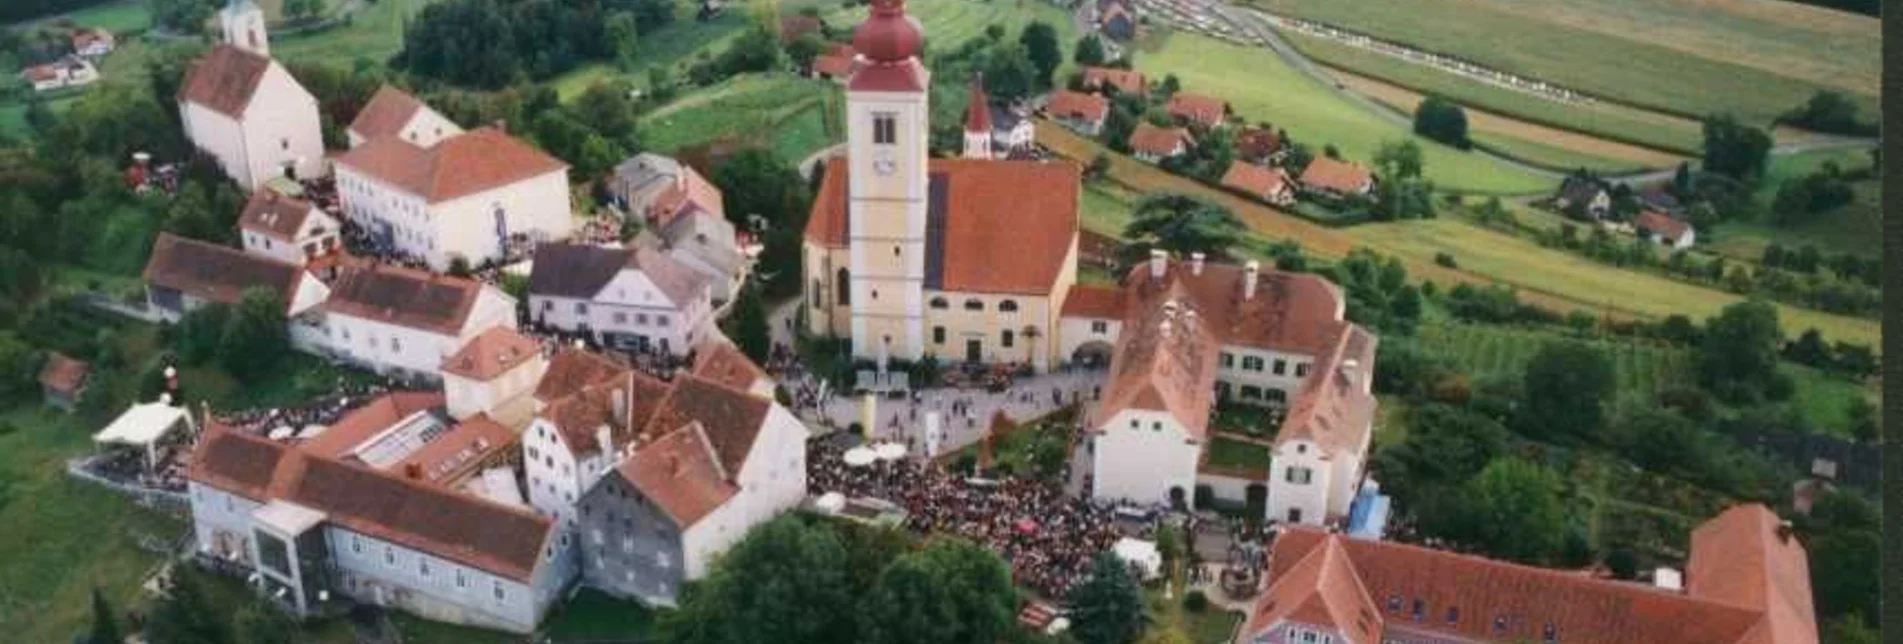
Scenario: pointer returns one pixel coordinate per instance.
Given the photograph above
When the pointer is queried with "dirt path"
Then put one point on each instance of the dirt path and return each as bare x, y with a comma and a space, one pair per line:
1270, 222
1484, 121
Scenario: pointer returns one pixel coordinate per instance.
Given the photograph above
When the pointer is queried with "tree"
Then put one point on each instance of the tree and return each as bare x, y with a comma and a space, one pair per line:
1512, 510
949, 593
1623, 564
1183, 224
1089, 51
300, 10
1809, 349
1446, 445
19, 366
788, 578
1398, 160
199, 332
623, 36
1733, 149
749, 323
1009, 72
255, 337
1567, 385
1737, 360
105, 627
1040, 43
1442, 120
1106, 607
804, 49
186, 615
184, 16
259, 623
1829, 111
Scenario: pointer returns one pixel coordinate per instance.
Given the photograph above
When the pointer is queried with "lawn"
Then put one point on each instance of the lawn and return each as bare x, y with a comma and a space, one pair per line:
595, 617
672, 45
1107, 208
1756, 58
1552, 156
118, 17
1610, 121
1260, 86
1589, 285
1825, 400
949, 23
1855, 228
374, 34
783, 112
1232, 454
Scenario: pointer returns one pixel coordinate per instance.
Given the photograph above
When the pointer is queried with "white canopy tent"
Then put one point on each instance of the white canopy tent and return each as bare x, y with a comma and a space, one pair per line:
1142, 554
143, 425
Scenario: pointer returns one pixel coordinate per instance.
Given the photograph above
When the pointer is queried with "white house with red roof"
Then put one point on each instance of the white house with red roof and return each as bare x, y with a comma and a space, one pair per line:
395, 113
245, 110
183, 274
1665, 230
287, 229
395, 320
636, 297
477, 195
494, 374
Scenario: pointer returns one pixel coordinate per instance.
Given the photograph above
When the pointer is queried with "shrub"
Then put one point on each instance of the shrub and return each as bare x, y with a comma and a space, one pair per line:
1446, 259
1195, 601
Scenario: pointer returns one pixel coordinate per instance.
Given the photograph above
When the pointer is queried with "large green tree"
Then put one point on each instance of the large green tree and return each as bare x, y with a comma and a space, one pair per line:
1040, 43
1734, 149
951, 592
1511, 510
261, 623
755, 182
186, 615
1183, 224
1567, 386
748, 325
255, 338
786, 581
1106, 607
1442, 120
1738, 357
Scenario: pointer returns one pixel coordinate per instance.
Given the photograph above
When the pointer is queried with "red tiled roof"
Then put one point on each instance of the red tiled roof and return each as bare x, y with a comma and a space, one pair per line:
404, 297
1008, 225
1340, 176
1322, 590
730, 417
681, 474
456, 453
1165, 361
1746, 557
1291, 312
224, 79
1503, 602
723, 363
1334, 408
573, 369
1258, 181
492, 353
386, 113
62, 374
1207, 111
216, 273
274, 214
1087, 301
580, 415
1661, 224
689, 191
1078, 106
1257, 143
363, 423
1126, 81
84, 37
977, 108
904, 76
1160, 141
465, 164
835, 66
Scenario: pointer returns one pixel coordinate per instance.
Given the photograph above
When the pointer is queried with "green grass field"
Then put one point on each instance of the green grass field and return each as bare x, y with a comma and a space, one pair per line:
1751, 57
783, 112
1552, 156
1602, 119
1856, 228
949, 23
1597, 287
672, 45
117, 17
1261, 87
1107, 208
374, 34
1488, 351
1228, 453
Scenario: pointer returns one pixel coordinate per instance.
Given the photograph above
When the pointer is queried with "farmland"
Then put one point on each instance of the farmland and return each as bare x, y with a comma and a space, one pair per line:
117, 17
1488, 352
1855, 228
1755, 58
793, 116
949, 23
671, 45
374, 33
1262, 87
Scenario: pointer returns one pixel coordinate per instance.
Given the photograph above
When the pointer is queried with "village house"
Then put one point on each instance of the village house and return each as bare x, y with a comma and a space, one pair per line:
1152, 144
1266, 183
1078, 111
1260, 145
1659, 199
687, 220
400, 321
313, 526
1664, 230
634, 298
494, 374
1124, 81
995, 131
589, 409
836, 63
62, 381
711, 463
474, 196
1198, 110
392, 112
1747, 582
287, 229
638, 181
69, 71
245, 110
184, 274
1331, 178
412, 435
1116, 19
1583, 198
93, 43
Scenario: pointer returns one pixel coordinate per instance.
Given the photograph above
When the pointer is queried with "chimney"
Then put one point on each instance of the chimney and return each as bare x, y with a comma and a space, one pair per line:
502, 125
413, 471
1784, 531
620, 401
1249, 271
1159, 261
603, 440
1195, 263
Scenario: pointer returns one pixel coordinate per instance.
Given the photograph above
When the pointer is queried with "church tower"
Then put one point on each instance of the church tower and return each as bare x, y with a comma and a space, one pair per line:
978, 121
887, 185
243, 23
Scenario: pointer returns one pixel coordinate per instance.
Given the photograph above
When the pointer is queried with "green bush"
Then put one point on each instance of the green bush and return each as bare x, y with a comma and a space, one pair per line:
1195, 601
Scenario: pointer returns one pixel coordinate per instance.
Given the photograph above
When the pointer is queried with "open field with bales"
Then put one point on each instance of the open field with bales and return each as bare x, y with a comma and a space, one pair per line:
1260, 86
793, 116
1754, 58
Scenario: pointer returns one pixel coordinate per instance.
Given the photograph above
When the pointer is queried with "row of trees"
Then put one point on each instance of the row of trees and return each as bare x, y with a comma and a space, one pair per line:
495, 43
1801, 200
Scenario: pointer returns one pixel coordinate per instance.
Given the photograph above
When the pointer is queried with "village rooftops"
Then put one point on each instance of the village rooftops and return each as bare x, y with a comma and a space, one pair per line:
62, 374
1343, 177
731, 418
1206, 111
572, 369
224, 80
501, 540
1661, 224
274, 215
216, 273
582, 270
681, 473
492, 353
1124, 80
1159, 141
1257, 181
1078, 106
387, 112
354, 429
404, 297
465, 164
622, 404
1258, 142
1086, 301
721, 362
1165, 360
688, 193
991, 226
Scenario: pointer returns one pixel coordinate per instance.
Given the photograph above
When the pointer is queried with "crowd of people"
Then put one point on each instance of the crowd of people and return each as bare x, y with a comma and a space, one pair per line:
1048, 538
324, 410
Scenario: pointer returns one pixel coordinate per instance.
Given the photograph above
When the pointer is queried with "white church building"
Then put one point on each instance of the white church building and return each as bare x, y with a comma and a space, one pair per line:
242, 108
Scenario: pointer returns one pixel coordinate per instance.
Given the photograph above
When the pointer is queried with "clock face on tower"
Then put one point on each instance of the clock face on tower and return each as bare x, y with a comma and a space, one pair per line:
883, 164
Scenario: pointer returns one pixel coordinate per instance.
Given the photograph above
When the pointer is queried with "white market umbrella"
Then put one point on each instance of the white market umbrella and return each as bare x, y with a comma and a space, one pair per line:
890, 451
831, 502
860, 457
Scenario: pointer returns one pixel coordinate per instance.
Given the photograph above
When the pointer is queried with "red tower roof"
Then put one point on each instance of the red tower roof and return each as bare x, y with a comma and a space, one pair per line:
888, 35
978, 111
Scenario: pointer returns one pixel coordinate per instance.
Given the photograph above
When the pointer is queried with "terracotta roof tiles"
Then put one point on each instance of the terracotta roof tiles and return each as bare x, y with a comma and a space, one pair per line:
1257, 181
224, 79
1085, 301
273, 214
1078, 106
62, 374
1126, 81
492, 353
216, 273
1207, 111
361, 424
404, 297
1340, 176
475, 161
1661, 224
681, 474
1160, 141
387, 112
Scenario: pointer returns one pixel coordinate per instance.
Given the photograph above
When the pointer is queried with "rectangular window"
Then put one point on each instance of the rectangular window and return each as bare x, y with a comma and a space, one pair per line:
1099, 326
461, 581
885, 128
548, 305
938, 335
422, 567
356, 544
1301, 370
1281, 366
1299, 475
1228, 360
1251, 363
641, 319
620, 317
396, 345
1005, 339
660, 321
496, 589
389, 556
581, 308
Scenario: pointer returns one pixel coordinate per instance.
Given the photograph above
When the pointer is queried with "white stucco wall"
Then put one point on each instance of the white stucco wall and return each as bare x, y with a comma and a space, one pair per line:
537, 207
449, 591
1141, 462
1311, 498
629, 304
1074, 332
772, 481
1234, 367
505, 398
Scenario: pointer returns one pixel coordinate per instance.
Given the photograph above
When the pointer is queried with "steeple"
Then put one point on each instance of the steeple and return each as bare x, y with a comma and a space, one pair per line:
978, 121
243, 24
